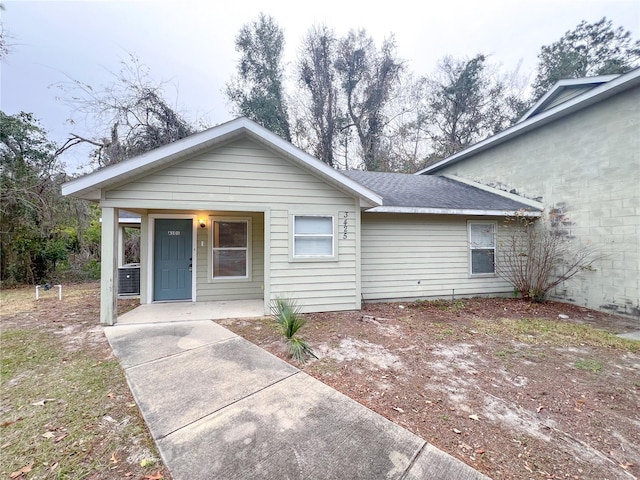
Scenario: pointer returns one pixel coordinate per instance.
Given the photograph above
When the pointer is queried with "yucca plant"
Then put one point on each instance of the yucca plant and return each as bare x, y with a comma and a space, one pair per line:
286, 313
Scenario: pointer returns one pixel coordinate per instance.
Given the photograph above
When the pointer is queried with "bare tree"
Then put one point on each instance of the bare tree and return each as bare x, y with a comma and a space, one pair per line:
536, 258
468, 102
128, 116
317, 76
408, 127
368, 79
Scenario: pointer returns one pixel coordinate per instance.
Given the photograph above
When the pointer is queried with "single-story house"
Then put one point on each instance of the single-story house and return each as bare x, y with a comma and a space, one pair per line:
236, 212
577, 151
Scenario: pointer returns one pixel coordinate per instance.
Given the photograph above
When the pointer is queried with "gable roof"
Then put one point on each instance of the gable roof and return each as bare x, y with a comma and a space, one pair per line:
405, 193
89, 186
547, 114
564, 90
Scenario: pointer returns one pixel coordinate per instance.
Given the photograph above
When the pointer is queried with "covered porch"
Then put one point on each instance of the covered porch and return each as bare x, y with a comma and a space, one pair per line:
194, 265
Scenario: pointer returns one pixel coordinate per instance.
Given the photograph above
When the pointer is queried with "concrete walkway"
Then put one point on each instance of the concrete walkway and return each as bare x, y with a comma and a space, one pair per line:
631, 335
222, 408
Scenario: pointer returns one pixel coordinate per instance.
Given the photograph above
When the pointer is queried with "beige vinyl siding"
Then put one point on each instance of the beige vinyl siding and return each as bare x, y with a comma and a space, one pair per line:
317, 285
241, 289
419, 256
242, 173
245, 177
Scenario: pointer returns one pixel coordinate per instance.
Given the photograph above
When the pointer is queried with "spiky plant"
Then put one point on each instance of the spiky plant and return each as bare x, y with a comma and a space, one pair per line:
286, 313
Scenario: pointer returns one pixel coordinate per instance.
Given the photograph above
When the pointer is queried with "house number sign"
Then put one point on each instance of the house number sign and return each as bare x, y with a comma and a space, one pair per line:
173, 232
345, 225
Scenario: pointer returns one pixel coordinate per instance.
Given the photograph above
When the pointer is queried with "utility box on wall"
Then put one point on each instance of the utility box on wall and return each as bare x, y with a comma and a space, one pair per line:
129, 279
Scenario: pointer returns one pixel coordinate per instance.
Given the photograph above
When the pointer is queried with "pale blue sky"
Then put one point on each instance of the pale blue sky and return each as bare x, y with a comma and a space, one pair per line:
191, 43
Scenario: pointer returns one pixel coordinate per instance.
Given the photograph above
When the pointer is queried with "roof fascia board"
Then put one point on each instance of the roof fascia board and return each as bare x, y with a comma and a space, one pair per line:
617, 85
496, 191
455, 211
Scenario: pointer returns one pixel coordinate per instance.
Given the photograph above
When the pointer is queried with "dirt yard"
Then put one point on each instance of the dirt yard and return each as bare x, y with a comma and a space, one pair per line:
506, 386
510, 388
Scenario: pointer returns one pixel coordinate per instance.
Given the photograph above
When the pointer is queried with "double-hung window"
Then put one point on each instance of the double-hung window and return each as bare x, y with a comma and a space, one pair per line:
482, 247
313, 236
231, 248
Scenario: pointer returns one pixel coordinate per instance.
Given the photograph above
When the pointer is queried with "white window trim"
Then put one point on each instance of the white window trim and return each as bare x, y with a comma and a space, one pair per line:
312, 258
222, 218
471, 249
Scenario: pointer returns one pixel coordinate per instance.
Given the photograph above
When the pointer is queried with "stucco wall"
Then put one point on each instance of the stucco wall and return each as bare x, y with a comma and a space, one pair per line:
585, 168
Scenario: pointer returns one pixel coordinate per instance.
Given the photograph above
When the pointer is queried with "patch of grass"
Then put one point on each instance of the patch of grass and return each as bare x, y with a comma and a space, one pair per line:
444, 305
54, 405
556, 333
594, 366
503, 354
444, 332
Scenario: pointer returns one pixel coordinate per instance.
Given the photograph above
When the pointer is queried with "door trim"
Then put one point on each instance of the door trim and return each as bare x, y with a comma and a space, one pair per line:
150, 247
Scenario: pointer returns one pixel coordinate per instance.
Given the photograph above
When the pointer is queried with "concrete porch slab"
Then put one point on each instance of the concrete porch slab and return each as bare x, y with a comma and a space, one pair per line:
142, 343
184, 311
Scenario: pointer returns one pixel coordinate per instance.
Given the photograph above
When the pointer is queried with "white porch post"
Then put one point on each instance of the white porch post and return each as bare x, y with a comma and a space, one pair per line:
120, 244
109, 267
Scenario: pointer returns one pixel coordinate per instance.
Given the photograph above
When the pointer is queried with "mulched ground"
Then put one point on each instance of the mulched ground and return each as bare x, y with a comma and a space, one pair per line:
514, 399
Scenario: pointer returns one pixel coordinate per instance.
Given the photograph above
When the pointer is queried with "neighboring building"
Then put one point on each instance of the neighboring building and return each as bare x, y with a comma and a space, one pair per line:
235, 213
578, 152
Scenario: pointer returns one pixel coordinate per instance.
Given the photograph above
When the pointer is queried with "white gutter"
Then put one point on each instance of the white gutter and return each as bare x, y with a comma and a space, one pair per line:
455, 211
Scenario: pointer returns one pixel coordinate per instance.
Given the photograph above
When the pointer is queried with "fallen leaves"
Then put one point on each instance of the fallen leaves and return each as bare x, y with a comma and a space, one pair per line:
474, 417
23, 471
154, 476
10, 422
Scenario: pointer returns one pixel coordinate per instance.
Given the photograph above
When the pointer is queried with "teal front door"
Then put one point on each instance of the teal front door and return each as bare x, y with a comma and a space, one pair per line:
172, 259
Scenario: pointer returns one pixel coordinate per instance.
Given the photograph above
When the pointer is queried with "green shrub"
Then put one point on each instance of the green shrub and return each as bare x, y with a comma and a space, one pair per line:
92, 269
286, 313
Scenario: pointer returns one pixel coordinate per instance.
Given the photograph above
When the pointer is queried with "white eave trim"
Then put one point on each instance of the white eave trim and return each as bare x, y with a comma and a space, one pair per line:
456, 211
597, 94
84, 186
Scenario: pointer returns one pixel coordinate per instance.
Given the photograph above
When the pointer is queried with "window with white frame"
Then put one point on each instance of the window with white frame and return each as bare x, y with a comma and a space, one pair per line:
482, 248
231, 251
313, 236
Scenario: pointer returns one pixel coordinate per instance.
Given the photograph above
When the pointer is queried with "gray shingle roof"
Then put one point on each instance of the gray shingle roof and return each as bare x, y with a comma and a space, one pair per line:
431, 191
